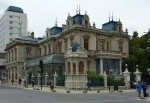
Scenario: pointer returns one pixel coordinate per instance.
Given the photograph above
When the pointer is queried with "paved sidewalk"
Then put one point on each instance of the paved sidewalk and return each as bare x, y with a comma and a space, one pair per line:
61, 90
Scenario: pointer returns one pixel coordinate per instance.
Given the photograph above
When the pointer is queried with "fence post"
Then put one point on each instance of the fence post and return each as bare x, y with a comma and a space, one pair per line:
105, 80
46, 76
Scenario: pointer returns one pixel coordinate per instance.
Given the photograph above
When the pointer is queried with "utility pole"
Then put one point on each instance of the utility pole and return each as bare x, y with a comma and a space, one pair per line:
41, 71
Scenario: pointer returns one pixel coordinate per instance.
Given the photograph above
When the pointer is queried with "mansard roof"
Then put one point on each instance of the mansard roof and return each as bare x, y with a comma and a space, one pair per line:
29, 38
111, 25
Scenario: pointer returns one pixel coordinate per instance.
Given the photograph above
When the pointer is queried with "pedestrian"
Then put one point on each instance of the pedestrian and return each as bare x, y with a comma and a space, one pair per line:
51, 85
12, 81
88, 85
144, 87
32, 83
20, 81
139, 88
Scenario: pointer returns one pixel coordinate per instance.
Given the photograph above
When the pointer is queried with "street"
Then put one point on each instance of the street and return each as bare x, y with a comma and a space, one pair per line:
15, 95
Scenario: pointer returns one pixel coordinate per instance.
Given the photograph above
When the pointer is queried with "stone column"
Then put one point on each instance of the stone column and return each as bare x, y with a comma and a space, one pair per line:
55, 76
39, 76
85, 67
120, 66
138, 74
46, 77
105, 79
126, 75
71, 67
77, 67
101, 66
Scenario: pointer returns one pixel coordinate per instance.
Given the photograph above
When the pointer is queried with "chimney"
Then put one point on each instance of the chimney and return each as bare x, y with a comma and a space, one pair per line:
32, 34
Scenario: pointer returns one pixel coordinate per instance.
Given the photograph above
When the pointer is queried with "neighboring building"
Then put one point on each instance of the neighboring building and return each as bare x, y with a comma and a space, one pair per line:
13, 24
71, 50
2, 66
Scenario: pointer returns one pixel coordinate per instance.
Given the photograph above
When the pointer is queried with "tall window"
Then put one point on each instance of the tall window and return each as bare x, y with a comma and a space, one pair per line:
68, 24
69, 68
81, 68
15, 53
119, 29
40, 52
60, 46
16, 73
120, 47
6, 57
49, 49
71, 41
86, 43
74, 68
96, 45
45, 50
9, 56
56, 48
102, 45
66, 45
107, 45
12, 55
86, 23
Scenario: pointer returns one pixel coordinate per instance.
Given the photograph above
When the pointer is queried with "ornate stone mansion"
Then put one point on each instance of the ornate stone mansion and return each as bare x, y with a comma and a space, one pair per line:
70, 51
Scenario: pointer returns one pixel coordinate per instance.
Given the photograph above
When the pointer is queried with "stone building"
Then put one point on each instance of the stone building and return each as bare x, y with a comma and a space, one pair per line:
71, 50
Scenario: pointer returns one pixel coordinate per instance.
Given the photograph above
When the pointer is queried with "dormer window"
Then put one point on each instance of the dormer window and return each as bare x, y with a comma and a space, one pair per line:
68, 24
86, 23
119, 29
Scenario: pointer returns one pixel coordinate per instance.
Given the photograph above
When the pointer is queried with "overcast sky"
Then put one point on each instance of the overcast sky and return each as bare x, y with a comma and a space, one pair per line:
134, 14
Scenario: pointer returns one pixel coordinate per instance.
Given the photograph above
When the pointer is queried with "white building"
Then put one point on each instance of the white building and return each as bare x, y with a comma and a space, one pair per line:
13, 24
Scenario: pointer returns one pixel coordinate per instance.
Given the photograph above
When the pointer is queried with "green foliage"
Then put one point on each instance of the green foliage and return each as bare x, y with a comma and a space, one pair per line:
30, 73
94, 76
111, 76
138, 53
112, 82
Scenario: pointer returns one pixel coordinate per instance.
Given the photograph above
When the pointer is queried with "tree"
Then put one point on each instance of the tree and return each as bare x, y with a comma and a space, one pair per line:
139, 54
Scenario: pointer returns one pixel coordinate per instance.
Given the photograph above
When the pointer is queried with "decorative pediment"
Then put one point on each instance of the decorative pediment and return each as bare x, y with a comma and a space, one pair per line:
28, 48
86, 36
65, 38
101, 40
120, 40
72, 36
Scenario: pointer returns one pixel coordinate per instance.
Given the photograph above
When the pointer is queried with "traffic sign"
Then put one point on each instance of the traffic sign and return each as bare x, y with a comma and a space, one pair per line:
148, 69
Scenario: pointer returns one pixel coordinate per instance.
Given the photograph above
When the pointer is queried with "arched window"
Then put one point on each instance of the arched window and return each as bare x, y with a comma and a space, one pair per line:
86, 23
68, 24
16, 73
119, 29
69, 68
74, 68
81, 68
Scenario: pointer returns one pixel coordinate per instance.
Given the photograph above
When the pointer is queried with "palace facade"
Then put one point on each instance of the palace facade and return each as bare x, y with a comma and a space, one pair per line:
70, 50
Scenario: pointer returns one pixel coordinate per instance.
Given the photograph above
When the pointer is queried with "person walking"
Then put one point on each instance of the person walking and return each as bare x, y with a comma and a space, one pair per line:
12, 81
88, 85
51, 85
144, 87
139, 88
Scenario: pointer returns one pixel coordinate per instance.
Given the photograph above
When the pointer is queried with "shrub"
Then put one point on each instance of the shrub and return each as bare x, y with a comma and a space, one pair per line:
92, 75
